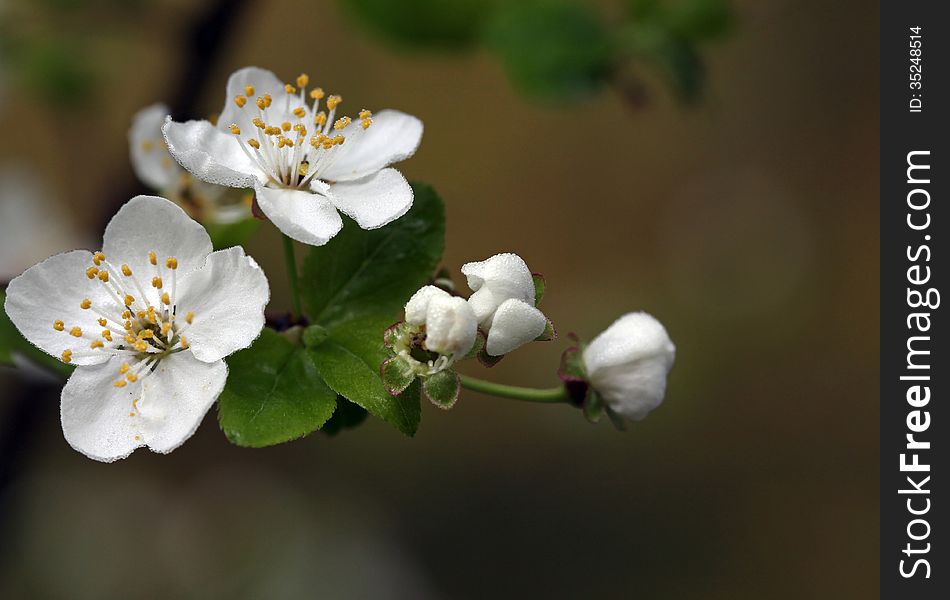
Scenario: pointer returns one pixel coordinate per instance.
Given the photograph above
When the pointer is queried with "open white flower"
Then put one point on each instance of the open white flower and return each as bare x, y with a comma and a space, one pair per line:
503, 302
448, 321
304, 163
154, 166
148, 321
628, 363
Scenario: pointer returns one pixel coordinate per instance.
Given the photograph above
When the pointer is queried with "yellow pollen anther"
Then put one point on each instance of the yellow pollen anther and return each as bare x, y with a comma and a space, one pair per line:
172, 263
107, 335
131, 414
303, 168
146, 334
320, 119
316, 93
258, 122
126, 271
365, 123
267, 100
75, 332
290, 89
132, 377
67, 356
285, 126
270, 130
85, 304
141, 346
124, 369
235, 129
129, 339
120, 383
302, 80
127, 315
333, 101
184, 342
96, 344
104, 276
98, 257
240, 101
59, 325
249, 90
339, 139
151, 258
129, 300
260, 103
365, 114
157, 282
342, 122
190, 317
137, 438
254, 144
103, 322
91, 272
165, 327
166, 299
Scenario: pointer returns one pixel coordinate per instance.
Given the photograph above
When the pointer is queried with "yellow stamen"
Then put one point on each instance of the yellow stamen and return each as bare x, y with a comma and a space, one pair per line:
129, 339
132, 377
267, 100
151, 258
126, 271
127, 314
302, 80
67, 356
103, 322
240, 101
129, 300
165, 327
320, 119
137, 438
85, 304
91, 272
146, 334
172, 263
300, 112
184, 342
303, 168
235, 129
334, 101
190, 317
290, 89
260, 103
59, 325
316, 93
120, 383
365, 123
104, 276
249, 90
342, 122
141, 346
75, 332
124, 368
107, 335
96, 344
254, 144
98, 257
258, 122
157, 282
270, 130
285, 126
365, 114
166, 299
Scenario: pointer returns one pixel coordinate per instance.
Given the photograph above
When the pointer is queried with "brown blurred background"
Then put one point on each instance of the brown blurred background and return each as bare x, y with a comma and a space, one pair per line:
748, 225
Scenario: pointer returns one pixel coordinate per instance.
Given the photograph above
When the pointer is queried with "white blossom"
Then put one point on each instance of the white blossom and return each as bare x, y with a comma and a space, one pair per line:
628, 363
503, 302
147, 321
448, 321
156, 168
304, 163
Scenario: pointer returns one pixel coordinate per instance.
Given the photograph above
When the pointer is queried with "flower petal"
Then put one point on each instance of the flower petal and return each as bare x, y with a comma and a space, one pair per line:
210, 154
306, 217
450, 325
151, 224
52, 291
227, 295
495, 280
418, 305
264, 82
162, 410
516, 323
373, 201
393, 136
152, 163
628, 363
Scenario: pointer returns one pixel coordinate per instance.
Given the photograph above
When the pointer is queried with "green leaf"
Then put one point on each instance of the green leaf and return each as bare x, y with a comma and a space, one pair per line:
701, 20
232, 234
349, 361
436, 24
346, 416
442, 389
675, 57
397, 375
273, 394
360, 273
552, 49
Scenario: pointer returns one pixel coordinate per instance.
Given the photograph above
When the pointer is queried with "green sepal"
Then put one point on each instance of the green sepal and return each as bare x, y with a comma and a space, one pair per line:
478, 346
396, 374
572, 372
394, 332
487, 359
273, 394
442, 389
549, 333
594, 406
538, 279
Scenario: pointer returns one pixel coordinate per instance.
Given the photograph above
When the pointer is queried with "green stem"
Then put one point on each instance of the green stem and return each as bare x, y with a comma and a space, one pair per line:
291, 262
557, 394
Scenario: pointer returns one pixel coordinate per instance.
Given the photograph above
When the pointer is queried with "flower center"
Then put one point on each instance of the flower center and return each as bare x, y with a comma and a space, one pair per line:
279, 143
130, 324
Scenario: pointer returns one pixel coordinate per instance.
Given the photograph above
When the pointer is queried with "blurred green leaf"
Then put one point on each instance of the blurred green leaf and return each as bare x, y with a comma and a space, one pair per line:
346, 416
273, 394
375, 272
435, 24
349, 361
694, 20
56, 70
551, 49
675, 58
226, 235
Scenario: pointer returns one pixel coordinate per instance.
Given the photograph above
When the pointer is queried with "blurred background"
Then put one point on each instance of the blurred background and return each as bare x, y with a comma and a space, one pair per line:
740, 208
